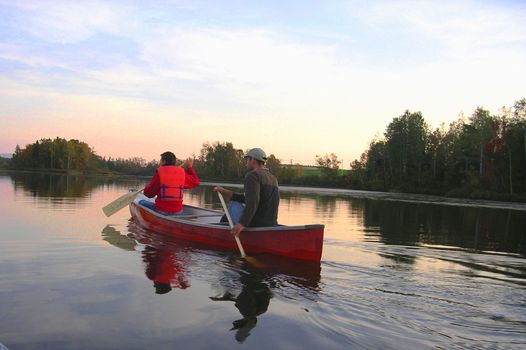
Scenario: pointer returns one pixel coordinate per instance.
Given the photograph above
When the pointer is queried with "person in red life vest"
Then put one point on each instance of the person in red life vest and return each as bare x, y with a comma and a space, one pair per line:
168, 184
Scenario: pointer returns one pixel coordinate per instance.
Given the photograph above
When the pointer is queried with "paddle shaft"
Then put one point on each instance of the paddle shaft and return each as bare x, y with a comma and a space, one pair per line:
241, 250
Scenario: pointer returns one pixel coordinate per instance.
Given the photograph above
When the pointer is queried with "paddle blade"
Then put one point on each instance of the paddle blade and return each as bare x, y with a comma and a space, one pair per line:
254, 262
120, 203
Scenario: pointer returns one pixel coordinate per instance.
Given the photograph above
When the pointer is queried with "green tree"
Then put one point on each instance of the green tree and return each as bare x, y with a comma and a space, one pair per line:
435, 152
274, 165
329, 164
222, 160
376, 164
290, 173
482, 122
515, 145
406, 137
359, 171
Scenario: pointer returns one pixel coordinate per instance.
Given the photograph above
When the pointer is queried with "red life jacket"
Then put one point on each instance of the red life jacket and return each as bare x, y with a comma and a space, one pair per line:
171, 190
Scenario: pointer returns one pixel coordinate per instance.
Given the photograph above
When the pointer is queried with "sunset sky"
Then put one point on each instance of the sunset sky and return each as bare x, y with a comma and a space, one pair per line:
296, 78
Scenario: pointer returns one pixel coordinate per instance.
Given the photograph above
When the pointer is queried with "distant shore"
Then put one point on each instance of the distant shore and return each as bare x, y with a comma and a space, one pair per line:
497, 202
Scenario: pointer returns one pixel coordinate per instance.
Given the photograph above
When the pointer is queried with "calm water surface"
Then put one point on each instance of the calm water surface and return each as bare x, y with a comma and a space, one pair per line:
394, 275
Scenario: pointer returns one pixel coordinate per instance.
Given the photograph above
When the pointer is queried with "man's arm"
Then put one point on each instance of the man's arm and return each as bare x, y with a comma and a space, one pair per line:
229, 195
153, 186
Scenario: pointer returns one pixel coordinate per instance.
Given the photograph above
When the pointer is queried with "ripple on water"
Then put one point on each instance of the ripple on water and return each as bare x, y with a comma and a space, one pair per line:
434, 304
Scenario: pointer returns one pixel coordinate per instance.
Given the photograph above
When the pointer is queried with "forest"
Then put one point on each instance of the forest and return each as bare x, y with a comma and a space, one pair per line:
479, 156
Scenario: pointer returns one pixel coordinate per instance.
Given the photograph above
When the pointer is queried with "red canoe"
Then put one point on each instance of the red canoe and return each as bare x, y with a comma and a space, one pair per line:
202, 225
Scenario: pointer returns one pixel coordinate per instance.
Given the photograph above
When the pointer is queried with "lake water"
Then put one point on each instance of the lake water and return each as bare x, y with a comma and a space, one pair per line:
397, 272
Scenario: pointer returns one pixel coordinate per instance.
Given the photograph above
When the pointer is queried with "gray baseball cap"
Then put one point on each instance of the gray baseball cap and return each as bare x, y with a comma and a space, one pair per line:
257, 153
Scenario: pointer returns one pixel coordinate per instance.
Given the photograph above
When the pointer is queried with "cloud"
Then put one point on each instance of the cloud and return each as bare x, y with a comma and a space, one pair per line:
464, 31
63, 21
254, 56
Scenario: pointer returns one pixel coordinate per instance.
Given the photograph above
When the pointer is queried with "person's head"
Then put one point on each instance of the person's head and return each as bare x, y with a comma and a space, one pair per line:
168, 158
255, 158
161, 288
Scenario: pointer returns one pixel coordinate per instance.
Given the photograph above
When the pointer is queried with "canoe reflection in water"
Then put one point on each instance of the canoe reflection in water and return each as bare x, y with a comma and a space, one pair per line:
250, 286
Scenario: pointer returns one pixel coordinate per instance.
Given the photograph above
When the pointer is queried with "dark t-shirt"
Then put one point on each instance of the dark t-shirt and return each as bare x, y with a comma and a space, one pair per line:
261, 199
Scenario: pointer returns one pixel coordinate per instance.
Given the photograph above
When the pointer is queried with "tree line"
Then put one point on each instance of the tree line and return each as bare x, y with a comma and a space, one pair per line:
479, 156
221, 160
63, 155
217, 160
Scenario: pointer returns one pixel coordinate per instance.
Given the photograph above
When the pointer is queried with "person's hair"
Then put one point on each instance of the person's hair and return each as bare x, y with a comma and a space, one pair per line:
260, 162
169, 158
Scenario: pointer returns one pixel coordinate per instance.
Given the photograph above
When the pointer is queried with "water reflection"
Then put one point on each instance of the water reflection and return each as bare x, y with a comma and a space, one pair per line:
115, 238
481, 229
166, 260
64, 193
325, 205
165, 268
409, 223
256, 282
55, 186
252, 301
395, 275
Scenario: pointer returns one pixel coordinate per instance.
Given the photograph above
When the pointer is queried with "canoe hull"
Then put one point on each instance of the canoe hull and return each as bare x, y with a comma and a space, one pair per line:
298, 242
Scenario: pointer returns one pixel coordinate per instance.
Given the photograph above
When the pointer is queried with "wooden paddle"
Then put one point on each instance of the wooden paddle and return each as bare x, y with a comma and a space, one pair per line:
120, 203
241, 250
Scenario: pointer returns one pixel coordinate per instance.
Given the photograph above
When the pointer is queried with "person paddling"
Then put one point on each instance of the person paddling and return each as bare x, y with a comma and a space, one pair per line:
258, 205
168, 184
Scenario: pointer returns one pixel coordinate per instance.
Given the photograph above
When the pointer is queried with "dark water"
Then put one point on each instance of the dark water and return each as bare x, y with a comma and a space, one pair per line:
394, 275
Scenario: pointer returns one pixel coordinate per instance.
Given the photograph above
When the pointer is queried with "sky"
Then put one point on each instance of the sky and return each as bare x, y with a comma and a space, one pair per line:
296, 78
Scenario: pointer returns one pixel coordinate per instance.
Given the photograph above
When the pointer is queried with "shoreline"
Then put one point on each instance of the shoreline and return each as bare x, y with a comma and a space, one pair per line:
394, 196
351, 193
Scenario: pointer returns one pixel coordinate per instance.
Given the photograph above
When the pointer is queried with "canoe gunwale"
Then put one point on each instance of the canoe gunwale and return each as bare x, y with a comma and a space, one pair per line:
189, 221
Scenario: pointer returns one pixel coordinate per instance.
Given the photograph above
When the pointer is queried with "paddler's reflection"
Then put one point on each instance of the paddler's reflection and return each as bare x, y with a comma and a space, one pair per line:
163, 268
251, 302
163, 262
260, 282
